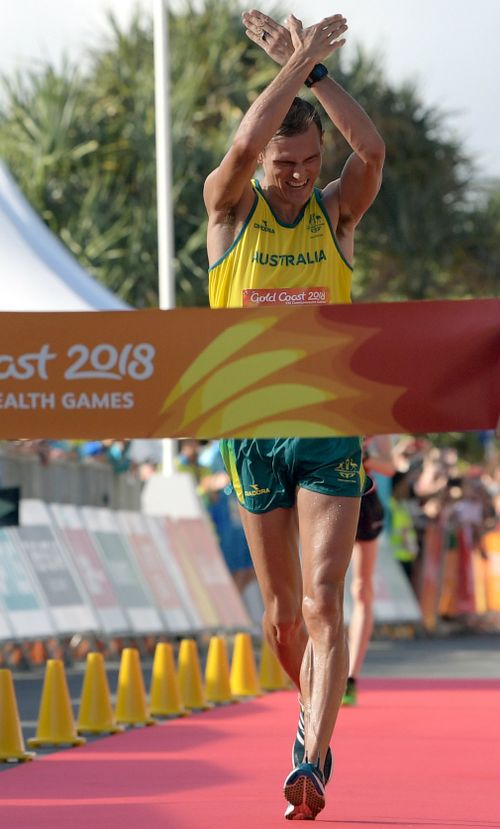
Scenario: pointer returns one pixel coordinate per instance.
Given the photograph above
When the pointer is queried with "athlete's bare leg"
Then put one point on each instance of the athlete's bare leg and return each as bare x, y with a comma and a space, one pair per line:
273, 541
315, 656
327, 528
361, 623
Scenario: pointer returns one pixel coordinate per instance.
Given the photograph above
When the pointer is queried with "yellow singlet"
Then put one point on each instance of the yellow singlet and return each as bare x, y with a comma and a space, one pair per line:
272, 263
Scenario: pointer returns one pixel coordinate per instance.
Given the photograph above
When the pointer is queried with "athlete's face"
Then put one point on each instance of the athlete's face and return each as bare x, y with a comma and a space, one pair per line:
292, 164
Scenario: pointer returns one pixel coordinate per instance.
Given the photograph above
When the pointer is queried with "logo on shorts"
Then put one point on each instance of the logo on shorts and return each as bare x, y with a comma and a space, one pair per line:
256, 490
348, 469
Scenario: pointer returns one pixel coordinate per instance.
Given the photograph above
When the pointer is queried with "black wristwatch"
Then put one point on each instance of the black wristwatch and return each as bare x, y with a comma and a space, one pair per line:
320, 71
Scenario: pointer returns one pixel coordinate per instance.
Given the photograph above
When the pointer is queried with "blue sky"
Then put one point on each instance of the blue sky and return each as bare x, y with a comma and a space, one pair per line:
448, 47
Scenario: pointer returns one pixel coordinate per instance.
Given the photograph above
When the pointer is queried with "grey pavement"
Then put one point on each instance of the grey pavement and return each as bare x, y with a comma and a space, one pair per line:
463, 656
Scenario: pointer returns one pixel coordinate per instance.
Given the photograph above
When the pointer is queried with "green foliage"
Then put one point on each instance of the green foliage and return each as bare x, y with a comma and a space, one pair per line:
476, 260
405, 243
81, 143
216, 72
82, 148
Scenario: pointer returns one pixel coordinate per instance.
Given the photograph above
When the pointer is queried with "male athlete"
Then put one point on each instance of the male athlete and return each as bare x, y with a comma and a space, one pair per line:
282, 233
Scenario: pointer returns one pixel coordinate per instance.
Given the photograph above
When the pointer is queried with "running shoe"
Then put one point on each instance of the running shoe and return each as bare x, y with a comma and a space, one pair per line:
298, 750
350, 694
304, 788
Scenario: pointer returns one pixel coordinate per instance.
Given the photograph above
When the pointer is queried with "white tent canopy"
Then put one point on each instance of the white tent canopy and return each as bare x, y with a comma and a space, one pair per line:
37, 272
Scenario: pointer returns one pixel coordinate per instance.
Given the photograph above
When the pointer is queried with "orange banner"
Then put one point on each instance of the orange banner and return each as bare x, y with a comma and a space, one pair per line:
260, 372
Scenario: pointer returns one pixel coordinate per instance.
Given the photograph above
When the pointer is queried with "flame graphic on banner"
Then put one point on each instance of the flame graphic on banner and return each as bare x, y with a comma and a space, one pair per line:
226, 344
251, 380
368, 368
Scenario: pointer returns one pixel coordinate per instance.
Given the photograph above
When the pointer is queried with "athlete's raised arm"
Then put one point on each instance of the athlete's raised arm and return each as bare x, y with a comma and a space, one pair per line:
361, 177
351, 196
226, 186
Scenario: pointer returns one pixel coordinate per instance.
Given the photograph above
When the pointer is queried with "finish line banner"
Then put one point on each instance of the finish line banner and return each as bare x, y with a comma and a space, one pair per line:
266, 372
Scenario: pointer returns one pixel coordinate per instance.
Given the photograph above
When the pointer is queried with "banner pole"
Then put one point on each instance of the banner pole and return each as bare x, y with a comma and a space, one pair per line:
166, 246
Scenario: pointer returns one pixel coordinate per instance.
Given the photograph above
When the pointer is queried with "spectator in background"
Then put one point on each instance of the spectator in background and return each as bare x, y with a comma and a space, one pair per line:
90, 449
377, 458
114, 452
46, 450
58, 450
223, 509
431, 488
410, 455
188, 459
403, 537
491, 482
146, 457
496, 506
468, 505
439, 465
117, 453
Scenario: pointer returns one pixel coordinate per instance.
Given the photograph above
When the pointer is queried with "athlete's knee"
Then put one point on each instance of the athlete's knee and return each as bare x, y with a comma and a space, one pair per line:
362, 591
322, 610
283, 622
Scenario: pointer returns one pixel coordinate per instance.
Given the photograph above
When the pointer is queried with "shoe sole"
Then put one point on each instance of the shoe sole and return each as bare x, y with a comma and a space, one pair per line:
305, 798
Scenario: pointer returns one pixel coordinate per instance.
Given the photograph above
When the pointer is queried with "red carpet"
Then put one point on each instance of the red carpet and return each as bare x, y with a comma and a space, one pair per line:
412, 754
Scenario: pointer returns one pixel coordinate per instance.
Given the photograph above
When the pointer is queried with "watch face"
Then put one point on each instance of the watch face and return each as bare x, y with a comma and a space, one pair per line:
319, 72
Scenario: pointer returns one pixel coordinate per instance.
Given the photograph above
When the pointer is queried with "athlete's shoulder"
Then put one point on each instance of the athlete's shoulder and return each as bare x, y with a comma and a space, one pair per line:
219, 197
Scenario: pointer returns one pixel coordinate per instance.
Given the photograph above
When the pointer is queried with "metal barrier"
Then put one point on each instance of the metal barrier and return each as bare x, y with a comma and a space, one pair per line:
84, 483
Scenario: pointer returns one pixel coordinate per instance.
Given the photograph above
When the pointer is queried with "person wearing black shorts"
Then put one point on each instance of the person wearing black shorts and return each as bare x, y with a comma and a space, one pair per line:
377, 457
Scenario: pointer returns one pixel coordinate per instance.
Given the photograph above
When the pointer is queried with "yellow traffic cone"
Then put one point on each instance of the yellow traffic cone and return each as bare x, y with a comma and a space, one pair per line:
165, 695
56, 726
271, 675
11, 735
190, 684
96, 714
131, 706
217, 684
243, 678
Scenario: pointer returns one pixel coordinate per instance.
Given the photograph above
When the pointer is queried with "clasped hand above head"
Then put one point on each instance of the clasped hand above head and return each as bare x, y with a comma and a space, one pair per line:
316, 42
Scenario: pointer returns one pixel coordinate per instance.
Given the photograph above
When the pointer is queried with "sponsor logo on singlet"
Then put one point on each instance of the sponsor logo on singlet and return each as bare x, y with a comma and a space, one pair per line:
287, 260
264, 226
285, 296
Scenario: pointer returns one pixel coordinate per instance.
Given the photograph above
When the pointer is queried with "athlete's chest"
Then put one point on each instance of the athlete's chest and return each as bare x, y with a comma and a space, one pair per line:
285, 265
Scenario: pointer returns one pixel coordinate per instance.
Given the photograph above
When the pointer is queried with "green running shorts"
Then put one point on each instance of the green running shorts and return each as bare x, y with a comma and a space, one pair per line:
265, 474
